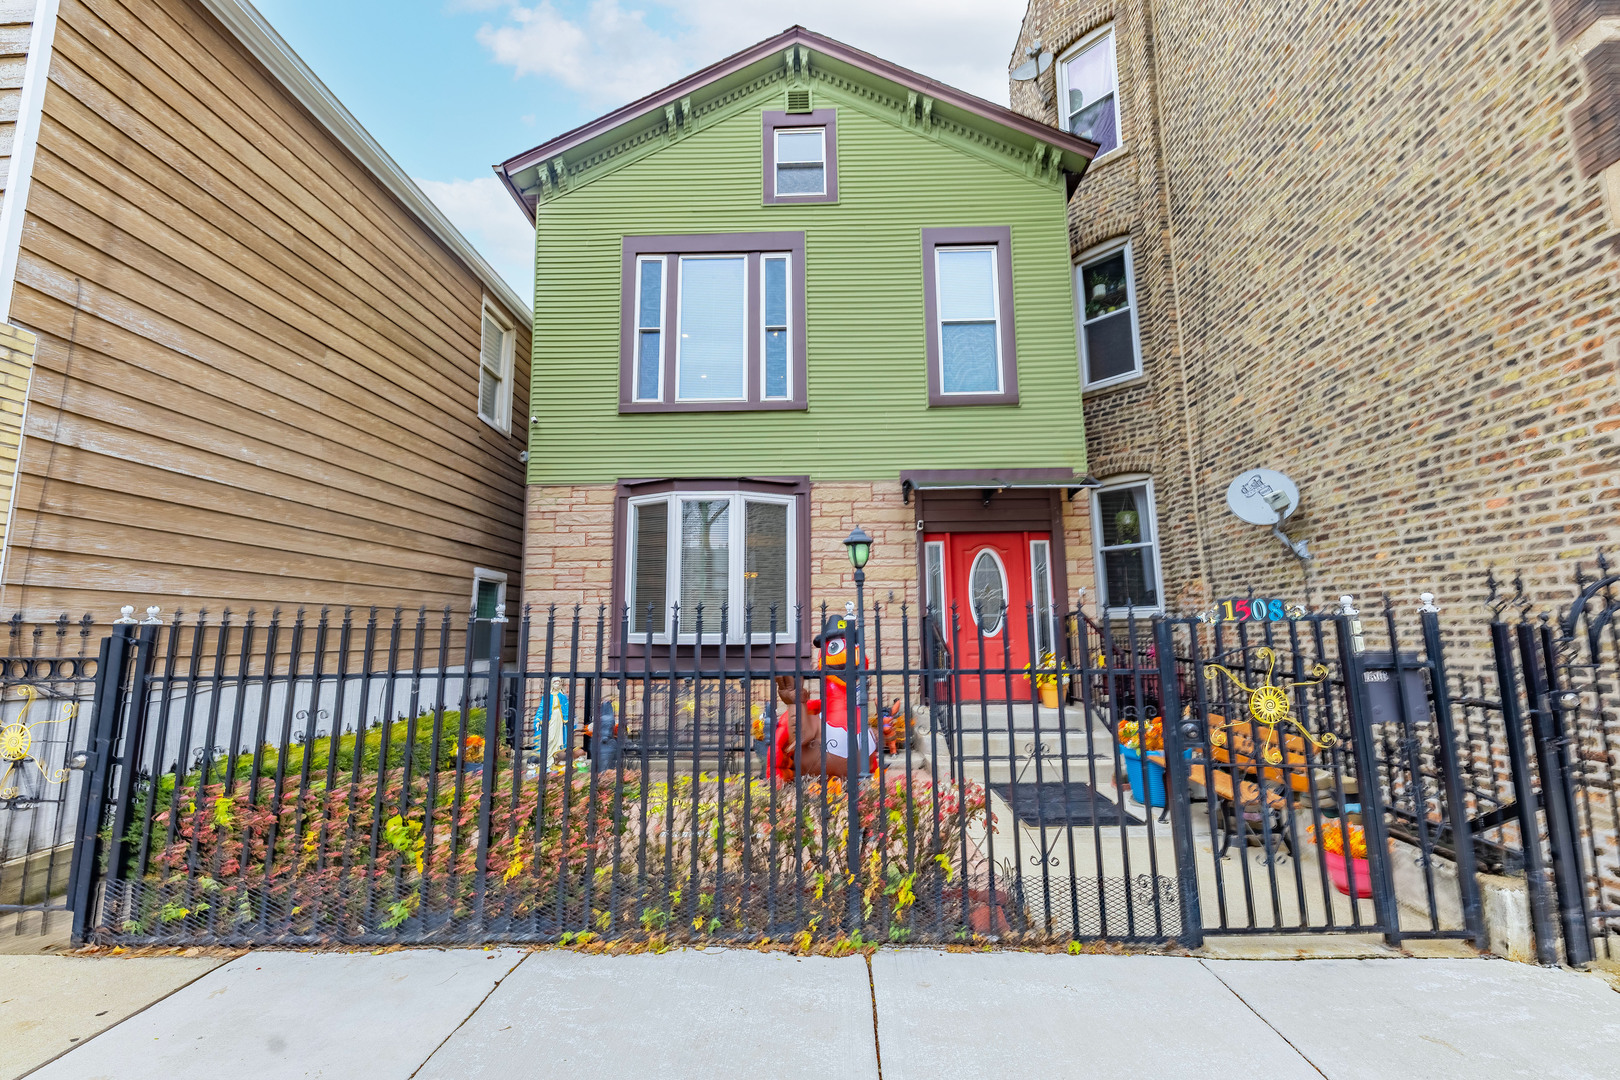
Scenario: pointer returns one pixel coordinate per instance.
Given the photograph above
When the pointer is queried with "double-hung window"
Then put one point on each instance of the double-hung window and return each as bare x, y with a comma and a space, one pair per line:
1124, 524
1105, 295
495, 347
967, 276
713, 323
801, 157
1088, 91
722, 564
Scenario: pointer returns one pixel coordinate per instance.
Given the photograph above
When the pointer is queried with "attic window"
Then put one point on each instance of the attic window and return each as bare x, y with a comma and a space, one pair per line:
801, 155
798, 101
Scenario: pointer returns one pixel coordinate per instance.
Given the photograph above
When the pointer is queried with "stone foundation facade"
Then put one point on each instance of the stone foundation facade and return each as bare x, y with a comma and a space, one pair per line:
570, 548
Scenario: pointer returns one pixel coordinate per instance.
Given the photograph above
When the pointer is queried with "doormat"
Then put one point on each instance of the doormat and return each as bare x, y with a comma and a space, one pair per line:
1044, 803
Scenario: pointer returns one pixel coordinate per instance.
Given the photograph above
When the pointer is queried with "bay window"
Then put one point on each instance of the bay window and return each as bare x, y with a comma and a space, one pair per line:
721, 563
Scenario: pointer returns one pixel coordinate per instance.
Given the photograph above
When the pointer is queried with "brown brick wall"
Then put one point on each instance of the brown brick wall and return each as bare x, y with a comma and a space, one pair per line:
1392, 281
1596, 120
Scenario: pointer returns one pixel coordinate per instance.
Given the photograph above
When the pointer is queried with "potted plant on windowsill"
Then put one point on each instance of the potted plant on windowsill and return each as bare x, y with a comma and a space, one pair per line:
1046, 680
1146, 778
1340, 862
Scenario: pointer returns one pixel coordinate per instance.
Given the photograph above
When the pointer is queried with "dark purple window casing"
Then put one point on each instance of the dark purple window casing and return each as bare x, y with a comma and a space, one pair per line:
1001, 237
751, 244
820, 118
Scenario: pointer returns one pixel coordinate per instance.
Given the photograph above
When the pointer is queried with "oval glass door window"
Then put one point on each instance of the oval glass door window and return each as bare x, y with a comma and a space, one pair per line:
988, 588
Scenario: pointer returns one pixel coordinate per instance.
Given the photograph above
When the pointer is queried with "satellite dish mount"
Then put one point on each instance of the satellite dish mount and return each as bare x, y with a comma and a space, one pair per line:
1267, 497
1032, 69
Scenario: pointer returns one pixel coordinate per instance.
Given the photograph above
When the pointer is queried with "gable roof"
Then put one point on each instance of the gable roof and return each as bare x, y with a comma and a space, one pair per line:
250, 28
521, 173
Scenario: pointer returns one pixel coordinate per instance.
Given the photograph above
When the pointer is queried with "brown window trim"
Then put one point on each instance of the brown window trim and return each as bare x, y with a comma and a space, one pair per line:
796, 486
751, 244
1001, 237
821, 118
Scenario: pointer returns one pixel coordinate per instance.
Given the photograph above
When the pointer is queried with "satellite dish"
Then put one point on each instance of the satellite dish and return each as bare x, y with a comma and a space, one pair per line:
1035, 66
1262, 496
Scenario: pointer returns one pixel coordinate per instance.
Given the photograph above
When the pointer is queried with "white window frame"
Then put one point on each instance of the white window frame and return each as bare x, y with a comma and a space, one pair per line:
787, 309
1086, 258
776, 163
787, 624
1114, 483
1063, 84
481, 575
1006, 591
941, 321
663, 326
502, 420
680, 262
1051, 603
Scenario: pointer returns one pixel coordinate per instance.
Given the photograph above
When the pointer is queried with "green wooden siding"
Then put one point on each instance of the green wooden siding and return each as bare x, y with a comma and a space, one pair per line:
869, 416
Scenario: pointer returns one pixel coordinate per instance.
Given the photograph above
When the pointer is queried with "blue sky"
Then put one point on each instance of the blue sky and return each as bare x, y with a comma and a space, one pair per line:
449, 87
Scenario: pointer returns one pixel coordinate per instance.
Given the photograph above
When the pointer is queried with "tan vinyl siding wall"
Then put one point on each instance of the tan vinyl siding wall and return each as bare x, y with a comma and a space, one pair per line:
257, 374
16, 25
16, 363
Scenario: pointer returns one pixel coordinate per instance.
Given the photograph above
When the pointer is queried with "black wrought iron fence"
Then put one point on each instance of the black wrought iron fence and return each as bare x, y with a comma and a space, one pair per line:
47, 674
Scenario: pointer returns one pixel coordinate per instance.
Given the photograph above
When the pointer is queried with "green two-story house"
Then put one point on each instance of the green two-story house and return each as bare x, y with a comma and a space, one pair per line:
803, 290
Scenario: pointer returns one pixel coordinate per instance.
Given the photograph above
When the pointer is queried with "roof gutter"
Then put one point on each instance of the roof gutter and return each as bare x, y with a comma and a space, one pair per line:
243, 20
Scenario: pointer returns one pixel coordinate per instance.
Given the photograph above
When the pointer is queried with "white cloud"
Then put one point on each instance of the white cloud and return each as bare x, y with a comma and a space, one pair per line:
487, 215
611, 54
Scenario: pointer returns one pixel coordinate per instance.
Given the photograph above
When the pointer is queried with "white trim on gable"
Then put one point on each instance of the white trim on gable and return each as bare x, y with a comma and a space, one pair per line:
30, 109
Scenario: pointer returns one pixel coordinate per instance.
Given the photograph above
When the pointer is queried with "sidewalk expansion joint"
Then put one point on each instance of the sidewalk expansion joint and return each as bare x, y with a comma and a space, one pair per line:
1263, 1020
877, 1044
470, 1014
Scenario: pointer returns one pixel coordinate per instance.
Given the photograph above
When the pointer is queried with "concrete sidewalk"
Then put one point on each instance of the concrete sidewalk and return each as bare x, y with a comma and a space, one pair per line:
719, 1013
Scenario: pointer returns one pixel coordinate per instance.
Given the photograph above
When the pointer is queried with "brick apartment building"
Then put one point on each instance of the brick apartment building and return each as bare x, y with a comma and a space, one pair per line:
1375, 246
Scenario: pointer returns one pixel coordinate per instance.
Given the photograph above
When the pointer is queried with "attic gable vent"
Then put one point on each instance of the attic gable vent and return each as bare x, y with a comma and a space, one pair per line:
798, 101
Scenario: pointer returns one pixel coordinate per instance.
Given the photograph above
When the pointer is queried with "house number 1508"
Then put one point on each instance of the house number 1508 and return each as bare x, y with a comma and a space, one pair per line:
1258, 610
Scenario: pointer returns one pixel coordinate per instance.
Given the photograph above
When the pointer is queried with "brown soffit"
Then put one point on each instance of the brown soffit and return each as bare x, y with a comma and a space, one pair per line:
768, 49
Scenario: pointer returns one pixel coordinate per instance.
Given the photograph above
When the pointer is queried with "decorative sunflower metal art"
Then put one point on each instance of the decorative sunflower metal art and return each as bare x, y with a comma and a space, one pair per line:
17, 741
1269, 706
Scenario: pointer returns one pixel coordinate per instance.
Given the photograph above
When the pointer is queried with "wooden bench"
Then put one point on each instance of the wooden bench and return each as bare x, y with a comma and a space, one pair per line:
1244, 779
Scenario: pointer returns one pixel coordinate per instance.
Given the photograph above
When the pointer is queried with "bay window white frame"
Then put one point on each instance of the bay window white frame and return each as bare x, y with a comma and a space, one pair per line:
736, 537
1150, 531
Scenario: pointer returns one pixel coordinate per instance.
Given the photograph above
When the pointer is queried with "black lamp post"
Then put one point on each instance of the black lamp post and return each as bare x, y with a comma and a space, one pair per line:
859, 546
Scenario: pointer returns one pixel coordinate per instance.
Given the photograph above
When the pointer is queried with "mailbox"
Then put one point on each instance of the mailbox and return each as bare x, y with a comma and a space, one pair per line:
1385, 702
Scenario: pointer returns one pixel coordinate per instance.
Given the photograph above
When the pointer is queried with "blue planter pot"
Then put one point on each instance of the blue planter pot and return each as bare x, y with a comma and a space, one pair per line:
1152, 785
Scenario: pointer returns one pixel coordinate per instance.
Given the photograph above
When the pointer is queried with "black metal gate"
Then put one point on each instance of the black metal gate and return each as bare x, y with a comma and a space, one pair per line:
46, 681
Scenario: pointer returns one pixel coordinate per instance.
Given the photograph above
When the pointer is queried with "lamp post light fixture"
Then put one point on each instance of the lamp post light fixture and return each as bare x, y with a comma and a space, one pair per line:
859, 546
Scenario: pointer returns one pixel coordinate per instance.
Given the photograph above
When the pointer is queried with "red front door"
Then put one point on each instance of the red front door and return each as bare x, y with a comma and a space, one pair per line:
990, 588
